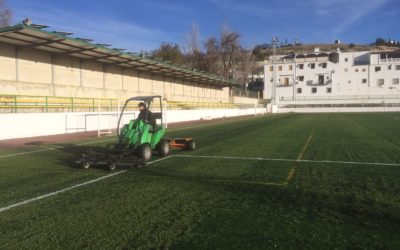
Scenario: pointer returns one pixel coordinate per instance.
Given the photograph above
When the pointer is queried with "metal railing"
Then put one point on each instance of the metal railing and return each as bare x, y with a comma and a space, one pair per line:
389, 60
343, 97
44, 104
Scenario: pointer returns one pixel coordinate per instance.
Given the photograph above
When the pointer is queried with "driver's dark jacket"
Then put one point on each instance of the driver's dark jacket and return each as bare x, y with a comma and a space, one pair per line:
149, 119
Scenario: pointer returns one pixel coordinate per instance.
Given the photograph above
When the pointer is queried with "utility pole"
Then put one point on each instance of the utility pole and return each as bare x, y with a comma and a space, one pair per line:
275, 43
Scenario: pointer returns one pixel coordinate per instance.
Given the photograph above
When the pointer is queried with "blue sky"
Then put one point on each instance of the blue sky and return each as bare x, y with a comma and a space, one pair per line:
142, 25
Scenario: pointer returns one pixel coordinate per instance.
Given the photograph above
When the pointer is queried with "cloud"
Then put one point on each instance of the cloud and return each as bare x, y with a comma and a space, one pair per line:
121, 34
345, 12
250, 8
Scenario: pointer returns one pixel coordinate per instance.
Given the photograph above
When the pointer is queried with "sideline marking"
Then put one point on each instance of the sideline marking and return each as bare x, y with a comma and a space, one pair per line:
71, 187
53, 148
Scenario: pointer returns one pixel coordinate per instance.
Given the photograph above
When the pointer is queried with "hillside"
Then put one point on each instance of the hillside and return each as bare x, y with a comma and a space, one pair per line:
263, 53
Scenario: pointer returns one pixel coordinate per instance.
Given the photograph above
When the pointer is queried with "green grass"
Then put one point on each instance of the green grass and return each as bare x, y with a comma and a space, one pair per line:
208, 203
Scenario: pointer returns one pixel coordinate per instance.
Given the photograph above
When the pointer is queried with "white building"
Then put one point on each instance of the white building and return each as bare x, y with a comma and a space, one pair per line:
333, 78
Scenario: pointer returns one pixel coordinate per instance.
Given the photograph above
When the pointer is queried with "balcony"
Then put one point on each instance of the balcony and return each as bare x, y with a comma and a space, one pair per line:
389, 60
317, 83
289, 84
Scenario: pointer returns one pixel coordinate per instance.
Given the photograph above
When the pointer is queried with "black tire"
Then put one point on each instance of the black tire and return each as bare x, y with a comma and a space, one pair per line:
112, 166
190, 145
144, 152
85, 165
163, 148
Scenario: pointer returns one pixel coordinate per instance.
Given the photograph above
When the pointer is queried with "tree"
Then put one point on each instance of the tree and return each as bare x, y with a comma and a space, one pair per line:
352, 45
245, 66
169, 52
5, 14
195, 57
380, 41
224, 50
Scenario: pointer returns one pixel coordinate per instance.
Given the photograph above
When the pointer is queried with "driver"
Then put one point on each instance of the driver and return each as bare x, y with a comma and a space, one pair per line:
146, 115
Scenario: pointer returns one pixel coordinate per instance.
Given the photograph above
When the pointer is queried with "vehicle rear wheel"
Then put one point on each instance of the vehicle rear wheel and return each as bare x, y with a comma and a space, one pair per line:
85, 165
163, 148
145, 152
111, 166
190, 145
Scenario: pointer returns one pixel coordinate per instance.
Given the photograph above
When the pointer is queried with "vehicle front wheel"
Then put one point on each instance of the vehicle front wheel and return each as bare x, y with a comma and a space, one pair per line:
163, 148
145, 152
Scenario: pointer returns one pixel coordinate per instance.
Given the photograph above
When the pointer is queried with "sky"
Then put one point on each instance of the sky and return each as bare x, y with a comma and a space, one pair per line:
140, 25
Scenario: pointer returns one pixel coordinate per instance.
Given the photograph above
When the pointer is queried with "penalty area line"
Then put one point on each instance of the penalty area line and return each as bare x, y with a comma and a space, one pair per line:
71, 187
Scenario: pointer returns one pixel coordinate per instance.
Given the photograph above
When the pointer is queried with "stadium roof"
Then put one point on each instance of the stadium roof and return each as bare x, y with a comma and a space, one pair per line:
27, 35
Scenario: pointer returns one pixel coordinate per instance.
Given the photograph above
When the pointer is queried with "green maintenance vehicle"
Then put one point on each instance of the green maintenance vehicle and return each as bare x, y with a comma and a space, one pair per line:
138, 139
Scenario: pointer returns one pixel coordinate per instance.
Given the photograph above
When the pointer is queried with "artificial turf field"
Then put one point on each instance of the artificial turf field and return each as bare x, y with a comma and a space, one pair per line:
281, 181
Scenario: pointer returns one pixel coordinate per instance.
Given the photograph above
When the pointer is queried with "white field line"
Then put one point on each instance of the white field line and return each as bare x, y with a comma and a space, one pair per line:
93, 142
287, 160
71, 187
53, 148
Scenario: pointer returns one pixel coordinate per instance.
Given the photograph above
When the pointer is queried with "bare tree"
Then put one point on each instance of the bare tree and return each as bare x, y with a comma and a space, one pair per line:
169, 52
244, 66
193, 39
195, 57
5, 14
225, 51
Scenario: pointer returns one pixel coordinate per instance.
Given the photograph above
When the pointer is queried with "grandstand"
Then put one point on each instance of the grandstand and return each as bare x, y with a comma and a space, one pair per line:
51, 72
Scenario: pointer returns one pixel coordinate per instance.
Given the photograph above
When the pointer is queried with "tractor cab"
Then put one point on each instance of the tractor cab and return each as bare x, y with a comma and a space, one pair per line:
144, 134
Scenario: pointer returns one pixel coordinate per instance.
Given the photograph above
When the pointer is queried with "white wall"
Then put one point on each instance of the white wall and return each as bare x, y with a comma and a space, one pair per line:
338, 110
39, 124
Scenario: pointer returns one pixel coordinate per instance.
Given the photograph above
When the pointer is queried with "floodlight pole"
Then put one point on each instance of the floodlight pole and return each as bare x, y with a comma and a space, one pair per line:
275, 41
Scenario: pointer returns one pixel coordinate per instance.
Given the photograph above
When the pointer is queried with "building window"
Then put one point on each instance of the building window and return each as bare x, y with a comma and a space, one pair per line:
395, 81
389, 67
346, 69
286, 81
271, 68
280, 68
356, 70
323, 65
300, 78
298, 90
377, 69
397, 67
381, 82
314, 90
301, 66
364, 80
364, 69
312, 65
290, 67
349, 81
272, 79
328, 90
346, 59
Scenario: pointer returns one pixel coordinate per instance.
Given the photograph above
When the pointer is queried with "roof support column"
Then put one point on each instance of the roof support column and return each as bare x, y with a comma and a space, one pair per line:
52, 74
80, 73
122, 78
16, 64
138, 82
104, 76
